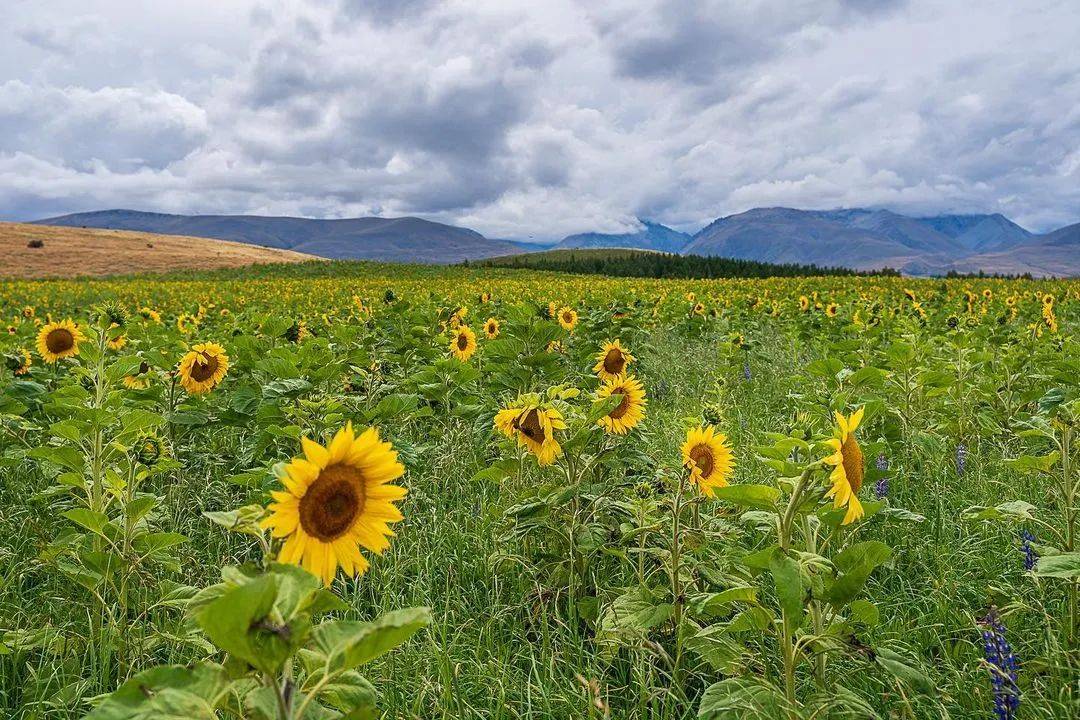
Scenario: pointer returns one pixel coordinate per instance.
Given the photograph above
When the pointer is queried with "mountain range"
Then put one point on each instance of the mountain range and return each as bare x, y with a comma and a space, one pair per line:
858, 238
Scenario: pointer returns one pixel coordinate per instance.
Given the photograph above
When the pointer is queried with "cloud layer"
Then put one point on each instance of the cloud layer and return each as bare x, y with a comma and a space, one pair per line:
524, 119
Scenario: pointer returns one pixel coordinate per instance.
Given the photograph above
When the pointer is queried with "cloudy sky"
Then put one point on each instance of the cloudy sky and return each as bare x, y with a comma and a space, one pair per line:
521, 118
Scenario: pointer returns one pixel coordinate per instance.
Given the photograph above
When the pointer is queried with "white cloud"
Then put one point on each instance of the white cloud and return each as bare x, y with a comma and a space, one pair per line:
525, 119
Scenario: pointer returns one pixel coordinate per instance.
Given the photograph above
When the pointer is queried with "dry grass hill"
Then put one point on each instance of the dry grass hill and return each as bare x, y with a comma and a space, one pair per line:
69, 251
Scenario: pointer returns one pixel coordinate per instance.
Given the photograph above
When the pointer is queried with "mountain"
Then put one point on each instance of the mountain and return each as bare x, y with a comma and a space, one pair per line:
871, 239
406, 239
784, 235
979, 233
1056, 254
652, 236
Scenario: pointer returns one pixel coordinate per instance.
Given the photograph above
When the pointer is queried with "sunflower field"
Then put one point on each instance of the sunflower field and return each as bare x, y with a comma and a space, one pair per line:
365, 491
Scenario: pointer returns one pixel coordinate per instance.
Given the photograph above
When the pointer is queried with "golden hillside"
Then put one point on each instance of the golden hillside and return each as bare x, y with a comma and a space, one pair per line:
71, 252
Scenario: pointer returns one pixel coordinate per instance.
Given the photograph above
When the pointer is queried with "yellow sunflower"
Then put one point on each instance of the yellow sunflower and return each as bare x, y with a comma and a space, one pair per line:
58, 340
804, 303
140, 380
19, 362
847, 462
630, 411
568, 318
491, 328
336, 500
117, 343
707, 456
533, 426
612, 360
203, 367
463, 344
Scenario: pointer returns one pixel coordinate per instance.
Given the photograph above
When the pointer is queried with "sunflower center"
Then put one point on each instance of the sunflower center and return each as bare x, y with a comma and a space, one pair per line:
614, 362
332, 502
462, 341
567, 318
529, 426
853, 462
203, 371
59, 340
702, 456
622, 407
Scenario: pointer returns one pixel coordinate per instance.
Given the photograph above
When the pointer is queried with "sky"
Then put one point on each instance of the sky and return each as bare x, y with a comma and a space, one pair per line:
524, 119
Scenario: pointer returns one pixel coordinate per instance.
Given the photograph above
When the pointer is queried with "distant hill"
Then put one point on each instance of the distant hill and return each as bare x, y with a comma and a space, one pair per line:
1054, 254
406, 239
71, 252
652, 236
979, 233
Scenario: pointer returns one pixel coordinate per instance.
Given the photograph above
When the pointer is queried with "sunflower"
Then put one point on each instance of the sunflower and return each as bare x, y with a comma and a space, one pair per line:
698, 309
707, 456
491, 328
140, 379
533, 426
150, 314
203, 367
117, 343
19, 362
630, 411
832, 309
847, 462
804, 303
186, 323
568, 318
28, 312
463, 344
58, 340
612, 360
336, 500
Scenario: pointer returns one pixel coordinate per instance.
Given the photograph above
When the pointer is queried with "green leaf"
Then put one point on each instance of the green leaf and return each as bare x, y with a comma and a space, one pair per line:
1065, 565
789, 590
602, 407
66, 457
855, 562
348, 644
760, 497
238, 622
169, 692
634, 611
95, 522
712, 604
904, 670
742, 699
1030, 464
721, 651
1015, 510
864, 612
242, 520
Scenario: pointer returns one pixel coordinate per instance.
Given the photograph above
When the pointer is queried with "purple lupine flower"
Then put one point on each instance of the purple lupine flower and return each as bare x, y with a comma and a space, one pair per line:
746, 371
881, 487
882, 462
1002, 666
961, 458
1030, 556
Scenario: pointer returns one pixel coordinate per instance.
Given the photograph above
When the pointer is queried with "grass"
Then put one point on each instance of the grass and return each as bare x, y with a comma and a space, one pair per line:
69, 252
500, 646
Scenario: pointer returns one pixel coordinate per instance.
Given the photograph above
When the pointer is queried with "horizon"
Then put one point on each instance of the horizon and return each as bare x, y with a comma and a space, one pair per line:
530, 240
534, 122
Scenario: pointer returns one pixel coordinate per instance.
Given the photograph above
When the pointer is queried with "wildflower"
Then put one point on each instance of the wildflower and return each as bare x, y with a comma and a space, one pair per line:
630, 411
746, 372
463, 344
961, 458
533, 425
1002, 665
847, 462
612, 360
1026, 546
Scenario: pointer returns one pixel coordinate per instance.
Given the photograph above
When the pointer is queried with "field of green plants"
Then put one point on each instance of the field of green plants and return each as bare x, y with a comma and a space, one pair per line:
363, 491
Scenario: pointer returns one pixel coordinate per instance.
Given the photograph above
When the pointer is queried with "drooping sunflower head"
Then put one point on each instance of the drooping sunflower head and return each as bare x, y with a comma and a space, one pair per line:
491, 328
140, 379
533, 426
117, 342
848, 466
336, 500
463, 343
612, 360
568, 318
631, 409
18, 362
58, 340
707, 455
203, 367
